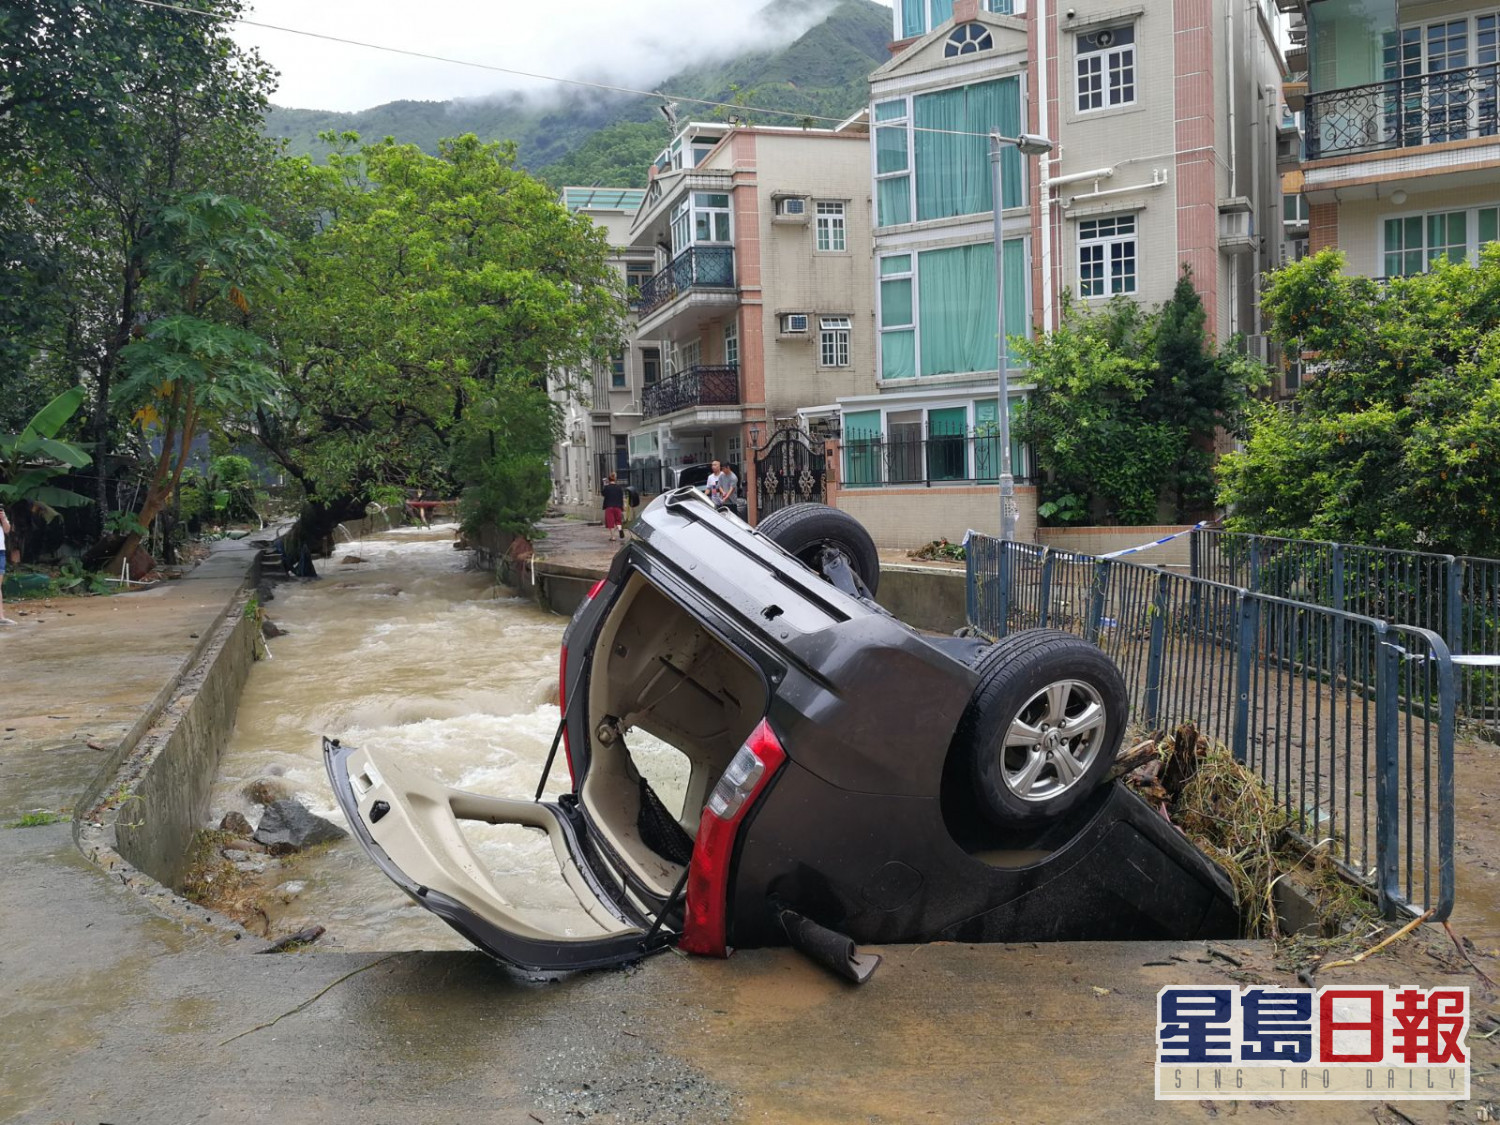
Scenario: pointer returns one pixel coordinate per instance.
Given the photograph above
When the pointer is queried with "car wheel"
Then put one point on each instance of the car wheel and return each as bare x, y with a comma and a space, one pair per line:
804, 530
1043, 726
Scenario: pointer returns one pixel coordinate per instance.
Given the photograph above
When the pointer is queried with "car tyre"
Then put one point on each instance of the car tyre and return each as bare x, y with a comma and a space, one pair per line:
1043, 726
804, 530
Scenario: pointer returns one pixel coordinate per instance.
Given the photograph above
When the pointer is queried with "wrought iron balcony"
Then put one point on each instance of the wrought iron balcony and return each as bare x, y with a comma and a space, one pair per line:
1424, 109
697, 267
697, 386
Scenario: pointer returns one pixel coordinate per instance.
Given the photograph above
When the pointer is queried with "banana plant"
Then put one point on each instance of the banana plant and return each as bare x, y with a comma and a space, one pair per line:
30, 460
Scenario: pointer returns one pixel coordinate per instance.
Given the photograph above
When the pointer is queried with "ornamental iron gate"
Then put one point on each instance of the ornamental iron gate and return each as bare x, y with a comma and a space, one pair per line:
789, 469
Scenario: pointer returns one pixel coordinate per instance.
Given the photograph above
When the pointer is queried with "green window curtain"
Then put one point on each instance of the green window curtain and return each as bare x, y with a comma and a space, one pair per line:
942, 12
898, 354
895, 263
890, 149
893, 200
913, 18
895, 302
987, 441
862, 448
1487, 224
943, 158
952, 149
890, 111
957, 305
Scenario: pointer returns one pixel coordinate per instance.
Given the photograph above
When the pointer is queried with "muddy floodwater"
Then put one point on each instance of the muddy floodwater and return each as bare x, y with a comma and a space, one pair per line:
412, 653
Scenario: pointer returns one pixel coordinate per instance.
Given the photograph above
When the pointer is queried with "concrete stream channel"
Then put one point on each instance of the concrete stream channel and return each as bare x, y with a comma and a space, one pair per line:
122, 1002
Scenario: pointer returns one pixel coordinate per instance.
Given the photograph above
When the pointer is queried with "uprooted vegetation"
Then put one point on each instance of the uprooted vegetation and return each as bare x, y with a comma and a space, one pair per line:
1231, 815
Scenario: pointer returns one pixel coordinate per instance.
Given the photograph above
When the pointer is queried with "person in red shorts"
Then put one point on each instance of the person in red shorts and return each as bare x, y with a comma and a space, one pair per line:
614, 508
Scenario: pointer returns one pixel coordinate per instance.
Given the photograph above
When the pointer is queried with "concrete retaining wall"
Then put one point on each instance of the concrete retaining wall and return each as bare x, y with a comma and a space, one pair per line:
169, 777
912, 517
925, 597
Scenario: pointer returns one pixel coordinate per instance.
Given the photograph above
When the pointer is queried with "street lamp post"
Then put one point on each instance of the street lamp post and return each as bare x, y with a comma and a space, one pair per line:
1028, 144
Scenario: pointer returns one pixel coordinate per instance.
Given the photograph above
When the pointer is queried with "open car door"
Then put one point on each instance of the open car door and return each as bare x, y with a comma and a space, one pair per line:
410, 826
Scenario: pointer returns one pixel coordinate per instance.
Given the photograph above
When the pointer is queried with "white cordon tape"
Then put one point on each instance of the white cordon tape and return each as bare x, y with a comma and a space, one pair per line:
1113, 554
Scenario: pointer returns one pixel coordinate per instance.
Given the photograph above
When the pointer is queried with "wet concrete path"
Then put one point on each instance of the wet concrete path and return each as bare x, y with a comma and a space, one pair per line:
108, 1013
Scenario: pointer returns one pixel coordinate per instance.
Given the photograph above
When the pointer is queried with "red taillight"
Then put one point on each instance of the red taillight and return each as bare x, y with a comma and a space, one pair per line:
594, 590
705, 924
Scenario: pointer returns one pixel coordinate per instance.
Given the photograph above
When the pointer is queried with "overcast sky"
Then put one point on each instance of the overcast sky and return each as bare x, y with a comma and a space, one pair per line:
623, 42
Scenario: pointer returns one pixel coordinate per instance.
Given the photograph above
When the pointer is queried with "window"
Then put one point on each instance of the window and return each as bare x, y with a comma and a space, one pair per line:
918, 17
1294, 210
636, 275
830, 226
937, 309
932, 152
792, 323
898, 334
1433, 96
622, 453
1414, 242
650, 366
1106, 68
617, 371
968, 39
1106, 256
732, 344
703, 218
833, 342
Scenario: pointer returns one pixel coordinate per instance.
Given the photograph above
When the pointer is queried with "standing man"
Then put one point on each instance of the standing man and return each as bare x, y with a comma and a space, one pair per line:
711, 486
729, 486
614, 508
4, 531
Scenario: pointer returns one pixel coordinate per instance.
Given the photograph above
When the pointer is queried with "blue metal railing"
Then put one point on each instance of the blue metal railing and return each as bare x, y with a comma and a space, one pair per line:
1348, 719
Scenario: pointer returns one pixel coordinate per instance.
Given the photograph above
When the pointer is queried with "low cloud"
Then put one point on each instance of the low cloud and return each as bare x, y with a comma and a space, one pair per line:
638, 44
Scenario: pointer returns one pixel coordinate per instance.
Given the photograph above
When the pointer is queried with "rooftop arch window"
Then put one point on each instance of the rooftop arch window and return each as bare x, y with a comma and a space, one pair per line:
968, 39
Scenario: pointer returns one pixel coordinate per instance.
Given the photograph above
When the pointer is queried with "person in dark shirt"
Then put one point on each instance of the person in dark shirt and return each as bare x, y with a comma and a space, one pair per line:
614, 508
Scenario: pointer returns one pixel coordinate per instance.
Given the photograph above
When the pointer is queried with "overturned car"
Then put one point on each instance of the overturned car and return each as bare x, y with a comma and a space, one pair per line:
849, 779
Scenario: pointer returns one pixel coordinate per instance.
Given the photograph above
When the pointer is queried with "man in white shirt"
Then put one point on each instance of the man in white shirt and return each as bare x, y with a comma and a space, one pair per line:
4, 531
711, 485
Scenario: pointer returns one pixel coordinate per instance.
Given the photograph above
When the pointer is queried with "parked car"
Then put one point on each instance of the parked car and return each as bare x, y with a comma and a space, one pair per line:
849, 778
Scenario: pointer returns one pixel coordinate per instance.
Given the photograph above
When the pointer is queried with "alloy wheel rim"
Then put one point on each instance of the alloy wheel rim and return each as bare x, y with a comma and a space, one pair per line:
1053, 740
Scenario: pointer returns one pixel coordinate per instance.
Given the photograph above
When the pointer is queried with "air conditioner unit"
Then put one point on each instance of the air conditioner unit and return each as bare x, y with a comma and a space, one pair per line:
790, 209
794, 324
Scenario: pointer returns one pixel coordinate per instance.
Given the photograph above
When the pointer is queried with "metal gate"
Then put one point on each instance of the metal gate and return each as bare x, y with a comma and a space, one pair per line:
789, 469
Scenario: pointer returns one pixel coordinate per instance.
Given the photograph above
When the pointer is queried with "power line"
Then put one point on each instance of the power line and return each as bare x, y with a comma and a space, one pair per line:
163, 5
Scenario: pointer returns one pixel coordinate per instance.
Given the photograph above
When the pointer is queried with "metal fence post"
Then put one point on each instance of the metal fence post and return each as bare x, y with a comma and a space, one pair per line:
1338, 604
1002, 599
1453, 627
1096, 602
1195, 564
1254, 576
1158, 646
971, 585
1249, 613
1387, 772
1046, 591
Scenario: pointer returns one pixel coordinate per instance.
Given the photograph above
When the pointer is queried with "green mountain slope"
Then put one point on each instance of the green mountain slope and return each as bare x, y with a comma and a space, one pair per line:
587, 138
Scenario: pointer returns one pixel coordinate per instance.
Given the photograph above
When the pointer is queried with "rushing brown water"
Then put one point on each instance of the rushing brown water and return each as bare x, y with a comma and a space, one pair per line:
413, 654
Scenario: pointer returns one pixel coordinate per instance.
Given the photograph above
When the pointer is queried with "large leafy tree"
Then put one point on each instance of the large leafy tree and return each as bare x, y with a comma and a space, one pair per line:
211, 260
112, 112
431, 298
1396, 438
1127, 404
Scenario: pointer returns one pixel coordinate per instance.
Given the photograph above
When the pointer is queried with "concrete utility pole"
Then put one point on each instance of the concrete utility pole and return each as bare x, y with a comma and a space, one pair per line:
1028, 144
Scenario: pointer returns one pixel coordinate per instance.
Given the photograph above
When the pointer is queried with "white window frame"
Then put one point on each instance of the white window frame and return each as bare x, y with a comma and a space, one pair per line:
909, 274
1105, 69
832, 232
1471, 235
833, 341
1107, 244
732, 344
693, 209
619, 370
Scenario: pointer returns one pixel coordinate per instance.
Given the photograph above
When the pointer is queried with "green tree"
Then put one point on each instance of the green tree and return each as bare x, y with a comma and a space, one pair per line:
211, 255
112, 111
429, 294
1126, 407
1396, 440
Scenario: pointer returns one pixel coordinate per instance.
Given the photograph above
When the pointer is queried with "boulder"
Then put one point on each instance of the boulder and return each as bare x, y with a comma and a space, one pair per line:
141, 564
270, 629
266, 791
289, 824
235, 822
350, 560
